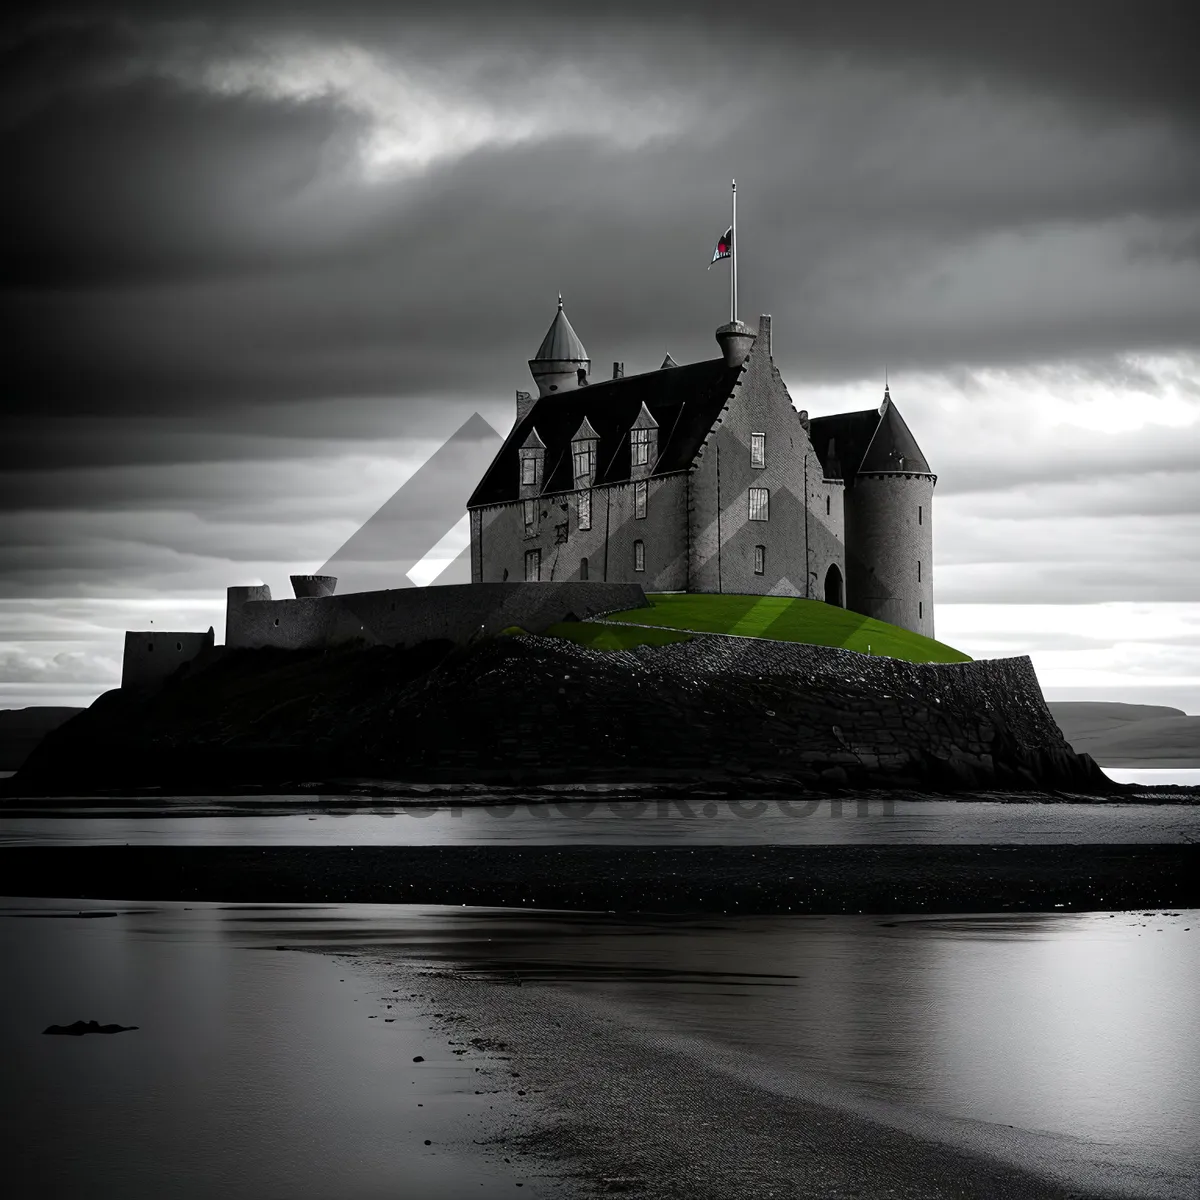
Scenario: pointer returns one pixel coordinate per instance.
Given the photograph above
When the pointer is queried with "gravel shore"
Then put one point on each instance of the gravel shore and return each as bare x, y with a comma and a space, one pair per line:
622, 1108
736, 879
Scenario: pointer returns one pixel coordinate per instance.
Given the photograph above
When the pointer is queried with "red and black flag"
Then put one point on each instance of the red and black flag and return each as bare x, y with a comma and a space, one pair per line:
724, 246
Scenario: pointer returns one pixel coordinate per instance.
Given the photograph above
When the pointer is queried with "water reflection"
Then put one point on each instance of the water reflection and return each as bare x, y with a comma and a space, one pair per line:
1080, 1029
755, 822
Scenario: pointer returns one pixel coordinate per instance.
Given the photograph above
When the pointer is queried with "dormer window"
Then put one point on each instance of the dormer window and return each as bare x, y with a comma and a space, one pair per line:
643, 444
533, 460
584, 446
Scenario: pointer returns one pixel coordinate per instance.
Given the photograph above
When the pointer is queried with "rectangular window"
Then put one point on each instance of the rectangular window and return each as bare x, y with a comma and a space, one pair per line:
639, 556
919, 514
640, 441
760, 560
758, 449
639, 500
918, 570
584, 460
583, 570
585, 510
921, 609
828, 503
533, 566
760, 504
528, 470
530, 507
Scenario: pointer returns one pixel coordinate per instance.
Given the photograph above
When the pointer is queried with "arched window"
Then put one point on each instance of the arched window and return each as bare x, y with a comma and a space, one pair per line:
639, 555
583, 569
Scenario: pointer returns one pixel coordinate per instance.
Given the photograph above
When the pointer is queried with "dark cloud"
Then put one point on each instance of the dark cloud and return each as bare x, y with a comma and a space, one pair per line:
213, 300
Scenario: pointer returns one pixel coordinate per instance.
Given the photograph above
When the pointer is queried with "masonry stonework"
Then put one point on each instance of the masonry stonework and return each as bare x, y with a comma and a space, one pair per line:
152, 657
890, 530
408, 616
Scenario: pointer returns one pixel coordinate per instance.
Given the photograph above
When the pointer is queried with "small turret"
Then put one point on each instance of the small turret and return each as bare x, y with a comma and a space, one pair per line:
561, 363
735, 340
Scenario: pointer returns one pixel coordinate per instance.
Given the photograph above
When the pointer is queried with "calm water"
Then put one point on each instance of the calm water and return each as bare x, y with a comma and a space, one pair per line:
254, 1073
612, 821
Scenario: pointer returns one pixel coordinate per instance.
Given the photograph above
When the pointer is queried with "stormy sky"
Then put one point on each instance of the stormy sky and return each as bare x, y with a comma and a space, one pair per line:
261, 260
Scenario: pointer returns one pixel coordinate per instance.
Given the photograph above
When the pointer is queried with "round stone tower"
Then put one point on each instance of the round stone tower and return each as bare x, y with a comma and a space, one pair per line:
735, 340
889, 528
561, 363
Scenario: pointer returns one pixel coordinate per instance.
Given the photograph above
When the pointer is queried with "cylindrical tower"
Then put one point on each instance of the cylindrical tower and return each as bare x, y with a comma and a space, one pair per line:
889, 529
235, 597
313, 585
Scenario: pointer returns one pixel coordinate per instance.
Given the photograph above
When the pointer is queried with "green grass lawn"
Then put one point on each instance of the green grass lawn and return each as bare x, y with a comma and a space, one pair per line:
778, 618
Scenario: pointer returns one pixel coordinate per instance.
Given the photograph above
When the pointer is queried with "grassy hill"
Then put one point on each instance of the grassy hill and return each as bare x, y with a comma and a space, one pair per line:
777, 618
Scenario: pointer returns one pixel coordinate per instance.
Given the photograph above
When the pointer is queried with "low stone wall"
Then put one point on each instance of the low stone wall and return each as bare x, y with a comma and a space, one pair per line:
407, 616
825, 716
152, 657
531, 709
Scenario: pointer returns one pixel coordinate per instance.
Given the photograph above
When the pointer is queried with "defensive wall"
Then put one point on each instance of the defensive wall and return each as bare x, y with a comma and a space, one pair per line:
151, 657
408, 616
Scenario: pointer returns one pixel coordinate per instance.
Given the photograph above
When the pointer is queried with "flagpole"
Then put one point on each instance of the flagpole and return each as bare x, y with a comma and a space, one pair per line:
733, 260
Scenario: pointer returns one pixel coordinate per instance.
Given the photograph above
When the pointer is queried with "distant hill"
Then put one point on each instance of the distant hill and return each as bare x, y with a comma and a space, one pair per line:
1130, 735
22, 728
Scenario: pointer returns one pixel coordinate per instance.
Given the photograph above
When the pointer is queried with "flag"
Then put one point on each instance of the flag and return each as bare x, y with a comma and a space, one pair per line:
724, 246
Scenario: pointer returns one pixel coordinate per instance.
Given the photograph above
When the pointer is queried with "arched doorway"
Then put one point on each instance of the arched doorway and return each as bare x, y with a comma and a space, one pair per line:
833, 586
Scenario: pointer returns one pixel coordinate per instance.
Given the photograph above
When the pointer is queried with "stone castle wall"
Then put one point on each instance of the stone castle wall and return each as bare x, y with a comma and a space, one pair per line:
803, 535
889, 532
408, 616
499, 542
151, 657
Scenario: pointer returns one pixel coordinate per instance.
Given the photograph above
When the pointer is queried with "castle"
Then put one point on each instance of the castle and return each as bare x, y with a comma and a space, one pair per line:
704, 478
696, 478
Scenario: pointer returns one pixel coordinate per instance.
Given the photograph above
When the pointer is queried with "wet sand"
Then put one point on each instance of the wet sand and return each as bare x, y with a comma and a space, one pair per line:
622, 1108
735, 879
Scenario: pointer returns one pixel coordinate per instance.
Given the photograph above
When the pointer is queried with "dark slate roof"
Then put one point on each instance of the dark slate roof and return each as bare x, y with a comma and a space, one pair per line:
841, 441
893, 448
685, 401
875, 440
561, 342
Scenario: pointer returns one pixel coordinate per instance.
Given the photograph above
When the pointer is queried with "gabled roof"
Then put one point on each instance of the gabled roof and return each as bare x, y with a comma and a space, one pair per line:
893, 448
841, 441
668, 362
685, 402
874, 441
561, 343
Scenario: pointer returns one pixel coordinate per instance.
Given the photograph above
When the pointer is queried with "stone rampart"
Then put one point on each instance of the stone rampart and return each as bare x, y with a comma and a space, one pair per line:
407, 616
152, 657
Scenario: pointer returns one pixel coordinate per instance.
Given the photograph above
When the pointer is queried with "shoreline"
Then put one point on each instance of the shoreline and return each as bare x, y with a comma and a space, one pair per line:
851, 878
617, 1105
531, 788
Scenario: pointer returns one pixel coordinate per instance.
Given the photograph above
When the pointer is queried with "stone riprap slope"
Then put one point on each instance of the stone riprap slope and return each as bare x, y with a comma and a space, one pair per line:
528, 709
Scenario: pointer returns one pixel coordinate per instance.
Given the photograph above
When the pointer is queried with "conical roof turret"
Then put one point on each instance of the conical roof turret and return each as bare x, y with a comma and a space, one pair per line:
893, 449
561, 343
561, 362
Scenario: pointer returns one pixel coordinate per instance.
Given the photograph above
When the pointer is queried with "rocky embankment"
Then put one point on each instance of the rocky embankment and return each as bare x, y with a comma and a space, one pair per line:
525, 710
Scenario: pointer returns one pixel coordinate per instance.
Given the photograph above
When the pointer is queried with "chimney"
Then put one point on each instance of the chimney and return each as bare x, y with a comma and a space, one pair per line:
618, 370
524, 404
763, 341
